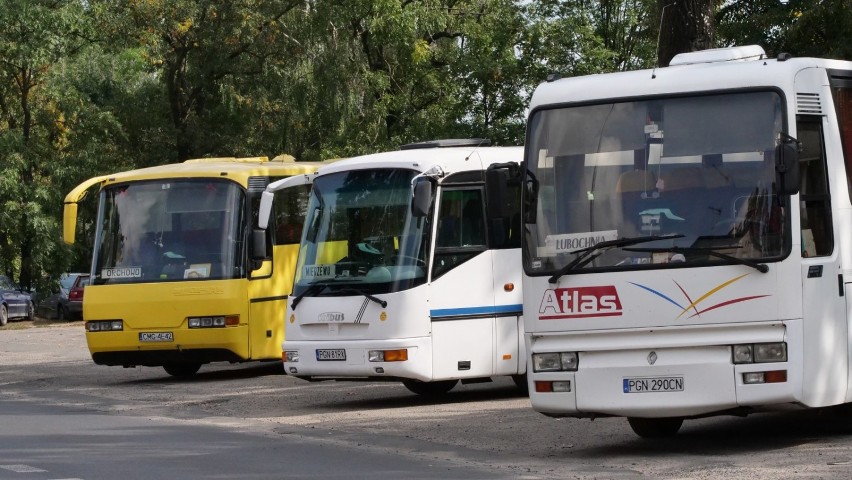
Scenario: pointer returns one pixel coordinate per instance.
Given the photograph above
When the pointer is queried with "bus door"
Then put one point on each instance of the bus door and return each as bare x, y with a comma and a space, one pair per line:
841, 90
271, 281
823, 293
461, 293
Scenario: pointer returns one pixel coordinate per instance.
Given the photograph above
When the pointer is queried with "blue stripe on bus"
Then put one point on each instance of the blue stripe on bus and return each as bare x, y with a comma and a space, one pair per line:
484, 310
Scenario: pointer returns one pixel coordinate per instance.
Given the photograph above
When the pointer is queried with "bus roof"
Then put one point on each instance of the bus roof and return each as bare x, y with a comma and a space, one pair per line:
698, 74
236, 169
450, 159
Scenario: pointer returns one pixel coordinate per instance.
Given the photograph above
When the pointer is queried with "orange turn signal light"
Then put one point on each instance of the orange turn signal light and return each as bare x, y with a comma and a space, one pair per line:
400, 355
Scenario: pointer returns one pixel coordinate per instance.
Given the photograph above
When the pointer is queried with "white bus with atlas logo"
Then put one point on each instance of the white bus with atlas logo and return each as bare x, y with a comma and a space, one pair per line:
408, 269
687, 239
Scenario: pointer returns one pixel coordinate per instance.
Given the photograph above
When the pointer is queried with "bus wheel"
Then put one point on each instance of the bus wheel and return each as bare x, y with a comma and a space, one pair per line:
430, 388
655, 427
521, 383
183, 369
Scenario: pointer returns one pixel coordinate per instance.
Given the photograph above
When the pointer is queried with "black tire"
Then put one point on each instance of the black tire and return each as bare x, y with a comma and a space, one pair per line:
655, 427
183, 369
4, 315
521, 383
30, 311
430, 389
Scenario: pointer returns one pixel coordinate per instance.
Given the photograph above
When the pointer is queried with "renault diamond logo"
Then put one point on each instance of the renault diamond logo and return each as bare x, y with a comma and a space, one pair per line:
652, 358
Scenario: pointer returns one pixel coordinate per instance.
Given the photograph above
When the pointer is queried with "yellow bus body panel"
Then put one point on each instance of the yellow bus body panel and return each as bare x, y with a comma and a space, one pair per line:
260, 302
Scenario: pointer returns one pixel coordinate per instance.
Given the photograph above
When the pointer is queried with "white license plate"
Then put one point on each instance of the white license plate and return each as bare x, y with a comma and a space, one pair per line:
336, 354
652, 384
156, 337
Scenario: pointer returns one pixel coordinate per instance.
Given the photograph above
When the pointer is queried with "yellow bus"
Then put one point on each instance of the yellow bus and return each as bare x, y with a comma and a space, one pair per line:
178, 277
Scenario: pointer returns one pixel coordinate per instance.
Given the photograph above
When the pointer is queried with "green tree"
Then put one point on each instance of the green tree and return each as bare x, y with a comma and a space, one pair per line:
802, 27
198, 50
36, 36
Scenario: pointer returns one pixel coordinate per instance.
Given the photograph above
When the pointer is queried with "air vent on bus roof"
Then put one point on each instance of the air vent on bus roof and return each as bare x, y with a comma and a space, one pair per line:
448, 142
713, 55
808, 104
257, 184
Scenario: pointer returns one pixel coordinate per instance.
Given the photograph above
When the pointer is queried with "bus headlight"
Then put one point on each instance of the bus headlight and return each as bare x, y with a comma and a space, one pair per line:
759, 353
219, 321
555, 362
105, 326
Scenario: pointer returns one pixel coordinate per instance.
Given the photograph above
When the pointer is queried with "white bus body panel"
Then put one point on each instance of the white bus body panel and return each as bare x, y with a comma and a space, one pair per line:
689, 318
460, 325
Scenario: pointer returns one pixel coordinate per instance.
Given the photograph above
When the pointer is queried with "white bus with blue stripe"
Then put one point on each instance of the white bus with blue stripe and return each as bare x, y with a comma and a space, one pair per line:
409, 268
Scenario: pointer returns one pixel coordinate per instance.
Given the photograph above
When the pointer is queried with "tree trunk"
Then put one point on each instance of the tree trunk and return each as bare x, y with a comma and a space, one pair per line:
685, 26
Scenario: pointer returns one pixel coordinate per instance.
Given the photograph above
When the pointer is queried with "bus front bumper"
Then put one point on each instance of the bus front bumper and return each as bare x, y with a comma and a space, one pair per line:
351, 359
132, 348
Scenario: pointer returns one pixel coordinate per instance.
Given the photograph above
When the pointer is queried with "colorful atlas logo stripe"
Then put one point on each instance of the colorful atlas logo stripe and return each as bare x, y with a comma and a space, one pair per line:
693, 305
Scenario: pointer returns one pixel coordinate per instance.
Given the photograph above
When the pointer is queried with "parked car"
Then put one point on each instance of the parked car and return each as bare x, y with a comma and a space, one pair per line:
14, 301
67, 303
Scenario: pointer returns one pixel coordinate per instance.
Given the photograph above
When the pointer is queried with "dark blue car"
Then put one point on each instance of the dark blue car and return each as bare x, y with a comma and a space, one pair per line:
14, 302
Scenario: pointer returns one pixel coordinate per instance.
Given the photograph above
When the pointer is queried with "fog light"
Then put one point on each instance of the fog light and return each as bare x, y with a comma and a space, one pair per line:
293, 370
291, 356
562, 386
380, 370
751, 378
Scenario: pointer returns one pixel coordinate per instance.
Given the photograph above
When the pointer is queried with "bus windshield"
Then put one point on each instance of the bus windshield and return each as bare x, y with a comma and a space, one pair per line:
360, 235
697, 171
168, 230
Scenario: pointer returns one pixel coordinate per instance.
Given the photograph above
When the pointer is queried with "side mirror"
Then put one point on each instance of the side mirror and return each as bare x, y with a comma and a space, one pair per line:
787, 168
496, 190
258, 244
69, 223
313, 225
529, 206
264, 209
422, 198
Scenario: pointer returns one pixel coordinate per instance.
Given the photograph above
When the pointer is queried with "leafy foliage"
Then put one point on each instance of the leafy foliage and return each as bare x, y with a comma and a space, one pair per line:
99, 86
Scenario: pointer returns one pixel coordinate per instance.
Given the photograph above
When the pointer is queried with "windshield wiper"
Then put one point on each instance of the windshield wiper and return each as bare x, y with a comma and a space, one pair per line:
357, 291
760, 267
590, 253
316, 286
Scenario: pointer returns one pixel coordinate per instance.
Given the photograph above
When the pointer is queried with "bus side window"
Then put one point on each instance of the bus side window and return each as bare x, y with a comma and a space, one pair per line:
814, 198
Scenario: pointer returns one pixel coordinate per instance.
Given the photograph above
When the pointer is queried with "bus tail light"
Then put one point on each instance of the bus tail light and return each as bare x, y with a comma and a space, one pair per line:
399, 355
759, 353
555, 362
774, 376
